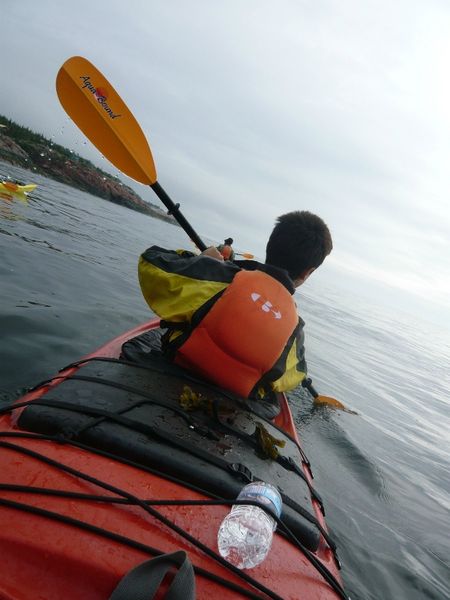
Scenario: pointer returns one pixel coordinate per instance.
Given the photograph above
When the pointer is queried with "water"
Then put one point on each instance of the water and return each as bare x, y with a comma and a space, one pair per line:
68, 281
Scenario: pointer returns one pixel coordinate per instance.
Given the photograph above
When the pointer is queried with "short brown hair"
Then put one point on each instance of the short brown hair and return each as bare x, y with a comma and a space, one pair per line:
299, 241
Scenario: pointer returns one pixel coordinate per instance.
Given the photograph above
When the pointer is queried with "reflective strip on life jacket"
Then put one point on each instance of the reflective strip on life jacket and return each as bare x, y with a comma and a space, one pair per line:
243, 334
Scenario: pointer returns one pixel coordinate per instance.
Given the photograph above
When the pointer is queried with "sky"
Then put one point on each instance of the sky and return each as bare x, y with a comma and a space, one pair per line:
254, 108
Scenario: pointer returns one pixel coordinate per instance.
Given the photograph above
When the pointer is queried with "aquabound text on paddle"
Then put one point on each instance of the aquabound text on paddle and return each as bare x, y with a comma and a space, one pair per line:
101, 99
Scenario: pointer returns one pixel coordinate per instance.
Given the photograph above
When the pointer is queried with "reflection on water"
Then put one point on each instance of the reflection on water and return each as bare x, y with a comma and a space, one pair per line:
7, 205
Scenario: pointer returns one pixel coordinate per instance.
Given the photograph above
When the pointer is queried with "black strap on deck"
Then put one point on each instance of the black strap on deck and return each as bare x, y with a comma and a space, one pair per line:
144, 581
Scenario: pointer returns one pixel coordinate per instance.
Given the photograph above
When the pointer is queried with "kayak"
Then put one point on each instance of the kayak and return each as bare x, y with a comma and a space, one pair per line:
16, 188
123, 462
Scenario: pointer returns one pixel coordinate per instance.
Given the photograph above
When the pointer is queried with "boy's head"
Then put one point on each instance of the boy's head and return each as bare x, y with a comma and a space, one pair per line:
299, 243
228, 241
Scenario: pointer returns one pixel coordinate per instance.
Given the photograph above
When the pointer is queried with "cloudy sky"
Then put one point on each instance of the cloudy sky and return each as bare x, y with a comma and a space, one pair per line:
254, 108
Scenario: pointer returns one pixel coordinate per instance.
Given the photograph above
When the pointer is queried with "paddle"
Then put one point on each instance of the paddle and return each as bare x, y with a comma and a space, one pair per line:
320, 400
97, 109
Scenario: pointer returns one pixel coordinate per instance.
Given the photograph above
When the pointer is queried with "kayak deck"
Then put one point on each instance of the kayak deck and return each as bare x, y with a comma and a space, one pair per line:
84, 463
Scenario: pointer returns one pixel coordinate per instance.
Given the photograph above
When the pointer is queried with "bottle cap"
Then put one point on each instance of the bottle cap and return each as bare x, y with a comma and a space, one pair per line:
264, 494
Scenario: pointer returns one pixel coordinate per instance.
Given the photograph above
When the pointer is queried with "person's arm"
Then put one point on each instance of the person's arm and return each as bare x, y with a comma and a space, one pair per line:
175, 285
213, 252
295, 368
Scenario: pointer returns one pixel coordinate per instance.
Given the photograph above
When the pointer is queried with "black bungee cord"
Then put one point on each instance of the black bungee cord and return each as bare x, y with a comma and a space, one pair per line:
125, 497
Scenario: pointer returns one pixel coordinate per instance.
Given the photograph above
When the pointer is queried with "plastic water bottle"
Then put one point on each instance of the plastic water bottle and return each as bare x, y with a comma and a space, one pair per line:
245, 535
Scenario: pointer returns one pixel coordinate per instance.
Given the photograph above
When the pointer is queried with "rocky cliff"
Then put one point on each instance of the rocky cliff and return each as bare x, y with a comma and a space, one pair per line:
22, 147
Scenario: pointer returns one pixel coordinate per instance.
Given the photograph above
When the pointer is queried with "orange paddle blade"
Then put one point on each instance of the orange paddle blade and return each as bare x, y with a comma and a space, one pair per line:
328, 401
331, 403
98, 110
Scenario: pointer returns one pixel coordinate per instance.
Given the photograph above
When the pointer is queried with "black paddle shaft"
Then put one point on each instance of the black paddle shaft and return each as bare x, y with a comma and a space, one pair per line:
174, 209
307, 383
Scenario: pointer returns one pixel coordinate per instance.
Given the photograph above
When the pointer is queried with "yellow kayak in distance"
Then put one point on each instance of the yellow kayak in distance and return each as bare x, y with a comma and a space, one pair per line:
16, 188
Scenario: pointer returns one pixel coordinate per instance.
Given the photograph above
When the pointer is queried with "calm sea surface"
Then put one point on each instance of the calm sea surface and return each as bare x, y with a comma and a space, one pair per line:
68, 284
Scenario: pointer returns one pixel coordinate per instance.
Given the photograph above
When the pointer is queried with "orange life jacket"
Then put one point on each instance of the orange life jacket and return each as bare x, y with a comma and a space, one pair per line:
243, 334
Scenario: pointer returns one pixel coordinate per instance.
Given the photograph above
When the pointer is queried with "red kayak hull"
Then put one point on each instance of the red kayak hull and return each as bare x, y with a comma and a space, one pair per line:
41, 557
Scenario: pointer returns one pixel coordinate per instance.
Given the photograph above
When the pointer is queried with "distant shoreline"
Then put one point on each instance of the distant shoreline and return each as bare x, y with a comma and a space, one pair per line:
32, 151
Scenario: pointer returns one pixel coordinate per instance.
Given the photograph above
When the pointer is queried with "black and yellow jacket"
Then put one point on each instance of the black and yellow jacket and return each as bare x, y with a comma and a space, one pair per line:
181, 288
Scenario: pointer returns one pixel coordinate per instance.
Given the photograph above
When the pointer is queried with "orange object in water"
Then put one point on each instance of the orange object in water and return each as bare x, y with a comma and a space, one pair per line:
84, 458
